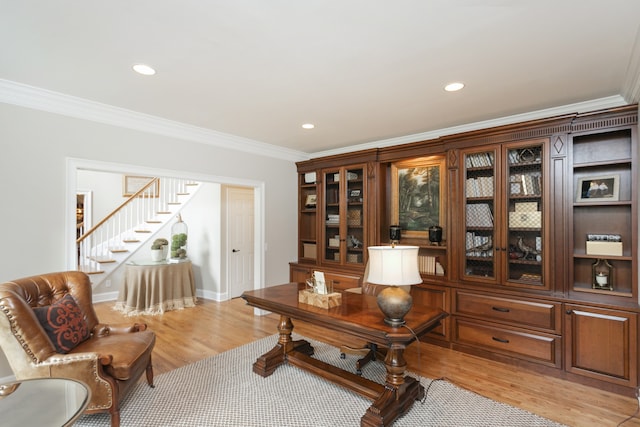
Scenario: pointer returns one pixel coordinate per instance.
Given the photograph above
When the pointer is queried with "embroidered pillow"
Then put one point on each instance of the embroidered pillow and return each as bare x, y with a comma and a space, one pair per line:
64, 323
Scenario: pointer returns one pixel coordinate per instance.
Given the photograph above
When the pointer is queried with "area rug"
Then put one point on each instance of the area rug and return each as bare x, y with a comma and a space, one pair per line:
223, 391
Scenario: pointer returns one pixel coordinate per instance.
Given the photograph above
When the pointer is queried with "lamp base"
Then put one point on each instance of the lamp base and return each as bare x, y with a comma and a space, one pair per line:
394, 303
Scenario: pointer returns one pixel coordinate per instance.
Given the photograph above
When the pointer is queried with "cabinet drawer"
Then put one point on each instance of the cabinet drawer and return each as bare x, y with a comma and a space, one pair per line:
533, 314
543, 348
342, 281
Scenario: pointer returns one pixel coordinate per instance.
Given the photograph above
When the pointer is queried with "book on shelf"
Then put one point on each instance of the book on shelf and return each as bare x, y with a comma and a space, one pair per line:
430, 265
531, 183
479, 215
333, 219
479, 187
479, 160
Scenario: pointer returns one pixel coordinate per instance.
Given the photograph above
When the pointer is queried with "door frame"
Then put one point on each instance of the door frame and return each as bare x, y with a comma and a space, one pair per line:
73, 165
226, 245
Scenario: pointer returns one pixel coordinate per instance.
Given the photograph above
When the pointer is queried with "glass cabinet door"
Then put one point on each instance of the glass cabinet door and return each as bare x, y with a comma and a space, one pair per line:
503, 214
344, 215
524, 231
355, 215
479, 210
332, 238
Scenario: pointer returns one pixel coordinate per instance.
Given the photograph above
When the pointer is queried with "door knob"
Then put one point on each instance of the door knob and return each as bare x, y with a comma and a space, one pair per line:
235, 250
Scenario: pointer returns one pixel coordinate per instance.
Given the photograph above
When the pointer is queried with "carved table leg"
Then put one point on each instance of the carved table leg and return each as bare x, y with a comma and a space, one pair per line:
399, 394
268, 362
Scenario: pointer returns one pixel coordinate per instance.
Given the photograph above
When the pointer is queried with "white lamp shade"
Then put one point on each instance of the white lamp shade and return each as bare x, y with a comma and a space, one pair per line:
393, 265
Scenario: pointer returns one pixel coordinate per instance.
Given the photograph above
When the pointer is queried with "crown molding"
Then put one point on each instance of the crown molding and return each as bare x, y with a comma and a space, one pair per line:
631, 88
54, 102
580, 107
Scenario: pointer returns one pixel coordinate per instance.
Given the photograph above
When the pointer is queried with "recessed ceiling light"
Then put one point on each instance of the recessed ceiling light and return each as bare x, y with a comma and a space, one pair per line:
452, 87
308, 126
144, 69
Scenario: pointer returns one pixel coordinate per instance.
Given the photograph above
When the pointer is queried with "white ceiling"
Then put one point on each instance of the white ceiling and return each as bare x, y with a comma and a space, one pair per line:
361, 70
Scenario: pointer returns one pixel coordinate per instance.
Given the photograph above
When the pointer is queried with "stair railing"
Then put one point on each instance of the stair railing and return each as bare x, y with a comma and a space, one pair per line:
128, 222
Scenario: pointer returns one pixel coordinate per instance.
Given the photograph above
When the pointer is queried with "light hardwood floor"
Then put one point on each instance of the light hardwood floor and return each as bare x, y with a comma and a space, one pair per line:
185, 336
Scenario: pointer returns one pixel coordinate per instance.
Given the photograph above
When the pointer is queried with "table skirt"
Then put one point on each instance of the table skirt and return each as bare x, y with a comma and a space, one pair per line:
154, 289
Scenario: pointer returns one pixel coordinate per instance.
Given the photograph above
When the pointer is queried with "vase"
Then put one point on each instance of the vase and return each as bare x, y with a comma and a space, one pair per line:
157, 255
179, 233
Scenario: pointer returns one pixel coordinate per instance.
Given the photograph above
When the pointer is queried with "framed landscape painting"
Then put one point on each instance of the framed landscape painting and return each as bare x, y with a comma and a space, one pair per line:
417, 192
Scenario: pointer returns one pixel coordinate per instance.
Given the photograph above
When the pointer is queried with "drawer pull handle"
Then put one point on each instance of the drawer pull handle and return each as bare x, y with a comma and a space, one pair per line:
502, 340
501, 309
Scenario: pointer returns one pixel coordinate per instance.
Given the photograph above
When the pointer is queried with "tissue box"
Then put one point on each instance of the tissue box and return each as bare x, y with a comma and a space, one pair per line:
306, 296
604, 248
525, 219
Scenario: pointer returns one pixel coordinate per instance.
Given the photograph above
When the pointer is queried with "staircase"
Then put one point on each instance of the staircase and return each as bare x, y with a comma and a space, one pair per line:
115, 238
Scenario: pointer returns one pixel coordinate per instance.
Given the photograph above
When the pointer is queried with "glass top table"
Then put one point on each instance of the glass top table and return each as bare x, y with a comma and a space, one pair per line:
42, 402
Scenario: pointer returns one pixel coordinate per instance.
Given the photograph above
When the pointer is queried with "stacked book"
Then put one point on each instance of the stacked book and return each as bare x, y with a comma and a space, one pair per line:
333, 219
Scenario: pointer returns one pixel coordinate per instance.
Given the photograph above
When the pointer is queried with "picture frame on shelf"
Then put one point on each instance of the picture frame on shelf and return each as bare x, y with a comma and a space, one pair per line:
132, 184
355, 195
417, 192
599, 188
310, 201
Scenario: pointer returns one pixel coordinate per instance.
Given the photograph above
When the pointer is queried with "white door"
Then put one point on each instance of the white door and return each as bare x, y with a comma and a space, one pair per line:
240, 220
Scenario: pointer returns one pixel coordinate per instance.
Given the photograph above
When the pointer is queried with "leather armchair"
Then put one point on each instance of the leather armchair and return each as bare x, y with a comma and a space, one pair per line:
109, 362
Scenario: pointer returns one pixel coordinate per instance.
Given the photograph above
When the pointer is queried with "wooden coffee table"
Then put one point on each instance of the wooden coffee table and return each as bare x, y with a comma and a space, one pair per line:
358, 316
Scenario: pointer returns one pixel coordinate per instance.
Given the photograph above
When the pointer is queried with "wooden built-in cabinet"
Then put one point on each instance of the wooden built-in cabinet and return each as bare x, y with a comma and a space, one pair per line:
540, 245
602, 344
503, 214
308, 194
344, 240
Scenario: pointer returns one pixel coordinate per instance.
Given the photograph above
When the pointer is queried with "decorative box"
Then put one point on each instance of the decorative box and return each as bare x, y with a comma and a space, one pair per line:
526, 206
334, 242
354, 217
351, 176
354, 258
306, 296
604, 248
309, 177
309, 250
525, 219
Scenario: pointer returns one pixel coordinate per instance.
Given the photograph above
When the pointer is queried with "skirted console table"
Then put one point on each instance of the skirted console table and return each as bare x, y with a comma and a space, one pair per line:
153, 287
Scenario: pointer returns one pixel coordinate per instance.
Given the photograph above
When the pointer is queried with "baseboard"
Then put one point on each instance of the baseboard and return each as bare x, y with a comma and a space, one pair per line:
200, 293
215, 296
105, 296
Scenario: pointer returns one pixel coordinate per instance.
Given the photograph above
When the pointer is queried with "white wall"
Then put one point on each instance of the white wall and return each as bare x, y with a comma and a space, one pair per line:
107, 191
201, 214
35, 146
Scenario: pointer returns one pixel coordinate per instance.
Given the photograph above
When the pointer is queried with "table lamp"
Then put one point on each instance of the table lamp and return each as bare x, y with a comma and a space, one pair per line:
394, 266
